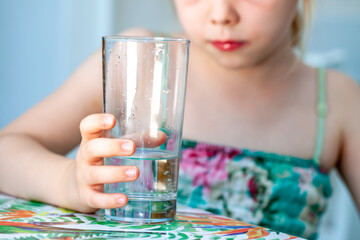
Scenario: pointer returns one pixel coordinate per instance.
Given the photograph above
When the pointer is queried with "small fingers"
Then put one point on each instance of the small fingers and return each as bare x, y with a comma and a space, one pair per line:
106, 200
111, 174
91, 126
148, 139
107, 147
151, 140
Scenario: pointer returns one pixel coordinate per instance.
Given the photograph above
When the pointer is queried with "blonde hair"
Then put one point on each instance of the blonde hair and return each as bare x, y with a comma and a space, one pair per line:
301, 23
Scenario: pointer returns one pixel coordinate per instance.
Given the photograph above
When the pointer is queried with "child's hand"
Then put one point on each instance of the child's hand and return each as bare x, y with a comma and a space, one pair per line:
89, 172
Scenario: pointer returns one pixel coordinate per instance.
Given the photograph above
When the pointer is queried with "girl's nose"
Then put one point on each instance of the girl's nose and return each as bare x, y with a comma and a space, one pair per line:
223, 13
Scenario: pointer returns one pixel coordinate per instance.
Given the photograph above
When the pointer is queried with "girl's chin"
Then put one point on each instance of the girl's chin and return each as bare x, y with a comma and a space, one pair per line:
234, 63
235, 60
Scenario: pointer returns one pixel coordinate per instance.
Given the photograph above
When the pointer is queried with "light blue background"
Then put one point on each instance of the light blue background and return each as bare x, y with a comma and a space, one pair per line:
41, 44
43, 41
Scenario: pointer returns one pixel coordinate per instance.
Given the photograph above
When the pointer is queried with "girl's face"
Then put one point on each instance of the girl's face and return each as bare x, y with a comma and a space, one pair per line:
238, 33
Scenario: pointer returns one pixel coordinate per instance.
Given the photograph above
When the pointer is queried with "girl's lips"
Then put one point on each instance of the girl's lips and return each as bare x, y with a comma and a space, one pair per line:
227, 45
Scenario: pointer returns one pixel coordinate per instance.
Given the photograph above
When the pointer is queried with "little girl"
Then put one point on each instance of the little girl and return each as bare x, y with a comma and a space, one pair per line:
262, 129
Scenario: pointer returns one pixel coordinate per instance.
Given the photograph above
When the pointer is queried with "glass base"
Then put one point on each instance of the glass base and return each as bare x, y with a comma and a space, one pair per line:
144, 212
138, 220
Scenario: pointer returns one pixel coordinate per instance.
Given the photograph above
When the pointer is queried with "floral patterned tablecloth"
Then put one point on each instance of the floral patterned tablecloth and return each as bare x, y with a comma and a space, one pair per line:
22, 219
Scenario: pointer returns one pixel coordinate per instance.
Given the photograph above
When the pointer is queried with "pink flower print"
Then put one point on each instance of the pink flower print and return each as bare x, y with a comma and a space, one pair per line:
206, 164
212, 173
192, 160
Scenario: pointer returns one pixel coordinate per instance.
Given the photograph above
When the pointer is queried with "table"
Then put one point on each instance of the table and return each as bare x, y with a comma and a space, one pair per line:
22, 219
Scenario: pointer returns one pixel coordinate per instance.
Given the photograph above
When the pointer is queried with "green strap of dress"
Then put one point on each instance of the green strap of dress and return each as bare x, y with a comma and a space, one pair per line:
321, 111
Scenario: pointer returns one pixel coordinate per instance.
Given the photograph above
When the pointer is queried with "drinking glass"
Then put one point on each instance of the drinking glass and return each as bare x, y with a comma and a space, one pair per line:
144, 81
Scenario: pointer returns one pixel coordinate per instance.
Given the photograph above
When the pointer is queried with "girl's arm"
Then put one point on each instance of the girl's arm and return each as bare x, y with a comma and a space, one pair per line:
31, 148
31, 165
349, 164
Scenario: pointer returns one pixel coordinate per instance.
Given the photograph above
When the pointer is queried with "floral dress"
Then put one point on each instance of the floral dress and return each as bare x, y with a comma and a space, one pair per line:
283, 193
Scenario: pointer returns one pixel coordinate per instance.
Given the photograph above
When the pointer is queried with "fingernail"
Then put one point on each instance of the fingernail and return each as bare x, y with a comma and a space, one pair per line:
130, 172
121, 201
108, 120
127, 146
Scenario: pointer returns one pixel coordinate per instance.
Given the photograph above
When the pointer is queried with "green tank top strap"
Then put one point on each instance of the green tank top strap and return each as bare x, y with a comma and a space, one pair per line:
321, 112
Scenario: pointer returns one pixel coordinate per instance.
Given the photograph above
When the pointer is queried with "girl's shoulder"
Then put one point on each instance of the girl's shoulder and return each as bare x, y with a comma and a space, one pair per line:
343, 97
343, 94
340, 78
342, 89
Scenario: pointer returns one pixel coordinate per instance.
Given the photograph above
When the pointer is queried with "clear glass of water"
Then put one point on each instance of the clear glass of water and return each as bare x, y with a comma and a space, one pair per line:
144, 81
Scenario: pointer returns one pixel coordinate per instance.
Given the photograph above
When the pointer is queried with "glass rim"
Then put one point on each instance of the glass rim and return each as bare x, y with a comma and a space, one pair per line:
145, 39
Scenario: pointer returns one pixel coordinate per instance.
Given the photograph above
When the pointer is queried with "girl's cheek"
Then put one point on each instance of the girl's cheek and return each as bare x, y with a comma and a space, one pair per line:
190, 2
264, 3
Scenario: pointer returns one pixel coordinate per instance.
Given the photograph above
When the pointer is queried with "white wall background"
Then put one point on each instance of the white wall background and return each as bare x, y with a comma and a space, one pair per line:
43, 41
